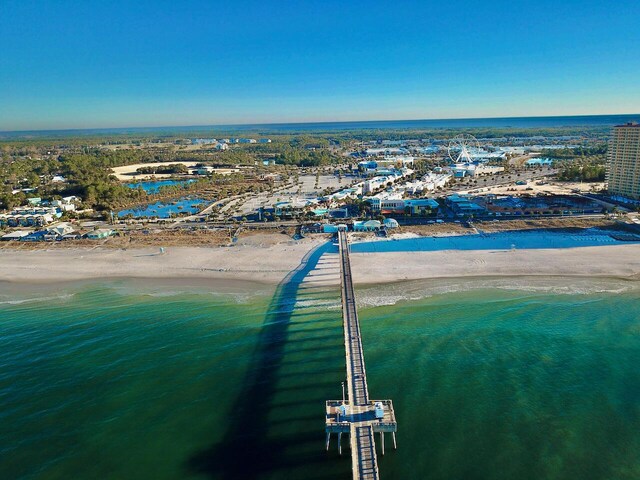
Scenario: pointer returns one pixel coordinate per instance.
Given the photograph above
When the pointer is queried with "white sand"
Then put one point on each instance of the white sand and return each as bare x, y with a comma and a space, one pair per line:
270, 263
127, 172
601, 261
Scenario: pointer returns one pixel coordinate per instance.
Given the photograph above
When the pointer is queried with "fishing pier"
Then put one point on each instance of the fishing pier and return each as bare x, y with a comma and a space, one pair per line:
357, 415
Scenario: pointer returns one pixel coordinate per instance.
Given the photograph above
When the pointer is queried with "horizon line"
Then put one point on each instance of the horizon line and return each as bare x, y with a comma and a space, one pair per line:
311, 122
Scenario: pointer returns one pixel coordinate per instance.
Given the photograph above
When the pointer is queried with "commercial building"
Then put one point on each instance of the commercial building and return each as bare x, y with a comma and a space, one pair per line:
473, 169
393, 203
462, 205
623, 173
421, 206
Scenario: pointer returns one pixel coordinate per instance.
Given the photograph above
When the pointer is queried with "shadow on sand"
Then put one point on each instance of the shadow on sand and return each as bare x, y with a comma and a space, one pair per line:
276, 429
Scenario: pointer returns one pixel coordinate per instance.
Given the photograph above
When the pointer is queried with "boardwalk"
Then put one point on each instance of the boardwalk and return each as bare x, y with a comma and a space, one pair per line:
358, 416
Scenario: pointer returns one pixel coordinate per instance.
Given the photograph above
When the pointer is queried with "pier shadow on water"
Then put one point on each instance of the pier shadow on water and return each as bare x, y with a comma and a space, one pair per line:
276, 427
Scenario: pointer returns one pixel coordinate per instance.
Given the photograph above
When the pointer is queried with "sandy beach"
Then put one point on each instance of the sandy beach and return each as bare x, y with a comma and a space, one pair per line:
270, 262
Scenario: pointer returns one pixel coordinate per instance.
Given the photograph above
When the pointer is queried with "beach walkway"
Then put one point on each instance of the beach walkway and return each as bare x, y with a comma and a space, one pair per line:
357, 415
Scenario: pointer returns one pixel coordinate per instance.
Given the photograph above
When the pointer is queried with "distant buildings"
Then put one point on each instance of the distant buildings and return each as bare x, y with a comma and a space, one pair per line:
623, 174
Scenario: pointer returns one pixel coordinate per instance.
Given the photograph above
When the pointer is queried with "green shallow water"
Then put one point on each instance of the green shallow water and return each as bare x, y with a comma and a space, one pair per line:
502, 380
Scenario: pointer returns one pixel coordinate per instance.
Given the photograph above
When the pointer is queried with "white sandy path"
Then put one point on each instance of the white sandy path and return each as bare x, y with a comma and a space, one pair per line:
270, 264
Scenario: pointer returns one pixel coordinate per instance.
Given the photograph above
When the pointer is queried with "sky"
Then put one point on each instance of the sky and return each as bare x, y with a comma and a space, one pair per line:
97, 64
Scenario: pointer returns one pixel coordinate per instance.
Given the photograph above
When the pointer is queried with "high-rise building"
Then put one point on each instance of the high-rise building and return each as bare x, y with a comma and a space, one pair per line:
623, 173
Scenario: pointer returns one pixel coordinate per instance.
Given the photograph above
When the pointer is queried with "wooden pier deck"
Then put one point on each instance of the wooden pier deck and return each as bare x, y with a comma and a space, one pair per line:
357, 414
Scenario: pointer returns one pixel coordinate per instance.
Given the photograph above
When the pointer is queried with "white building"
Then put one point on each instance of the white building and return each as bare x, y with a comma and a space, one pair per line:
432, 181
222, 146
402, 160
384, 151
473, 170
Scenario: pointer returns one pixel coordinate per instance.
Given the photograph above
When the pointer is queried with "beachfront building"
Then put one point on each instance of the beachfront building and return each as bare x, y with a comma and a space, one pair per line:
623, 174
99, 234
421, 206
462, 205
390, 223
366, 226
393, 203
390, 201
15, 235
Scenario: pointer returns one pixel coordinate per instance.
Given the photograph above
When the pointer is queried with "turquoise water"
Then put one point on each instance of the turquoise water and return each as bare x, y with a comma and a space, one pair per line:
522, 239
165, 209
491, 379
155, 186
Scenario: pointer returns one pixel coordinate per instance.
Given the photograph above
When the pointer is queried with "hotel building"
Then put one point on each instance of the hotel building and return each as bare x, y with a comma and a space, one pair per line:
623, 173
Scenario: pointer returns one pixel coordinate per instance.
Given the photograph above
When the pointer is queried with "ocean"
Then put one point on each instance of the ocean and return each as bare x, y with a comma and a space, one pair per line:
317, 127
491, 379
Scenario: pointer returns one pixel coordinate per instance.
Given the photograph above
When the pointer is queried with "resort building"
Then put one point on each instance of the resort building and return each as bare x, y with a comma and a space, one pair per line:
623, 174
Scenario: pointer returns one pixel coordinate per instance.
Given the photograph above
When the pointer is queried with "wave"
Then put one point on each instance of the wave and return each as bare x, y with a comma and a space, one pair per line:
392, 294
64, 296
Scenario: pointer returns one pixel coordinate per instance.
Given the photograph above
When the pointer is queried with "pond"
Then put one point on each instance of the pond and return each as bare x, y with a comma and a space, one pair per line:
165, 209
155, 185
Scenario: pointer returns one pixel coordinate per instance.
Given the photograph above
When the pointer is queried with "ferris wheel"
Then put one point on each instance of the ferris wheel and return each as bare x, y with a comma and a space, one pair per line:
461, 146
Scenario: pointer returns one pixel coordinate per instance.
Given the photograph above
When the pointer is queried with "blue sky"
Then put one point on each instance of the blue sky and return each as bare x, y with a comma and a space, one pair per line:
85, 64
